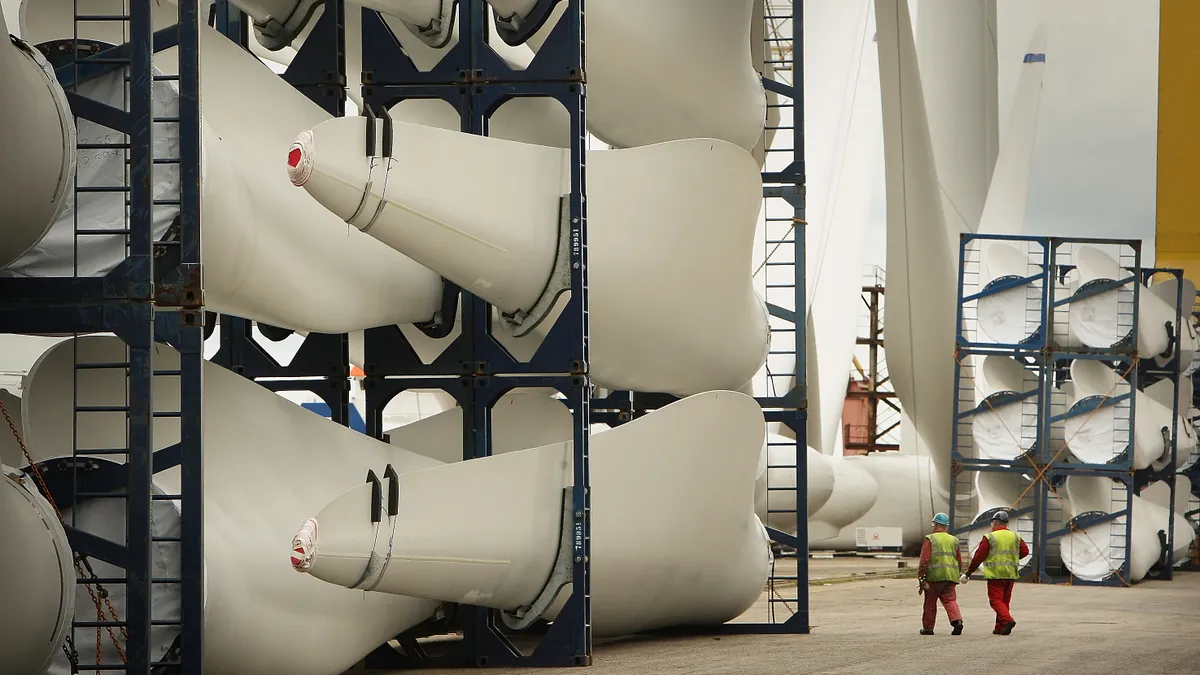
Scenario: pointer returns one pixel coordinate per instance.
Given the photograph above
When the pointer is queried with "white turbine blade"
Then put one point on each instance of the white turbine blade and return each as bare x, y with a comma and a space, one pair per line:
270, 252
1096, 553
921, 296
1103, 320
956, 46
37, 576
268, 465
670, 69
504, 559
40, 154
698, 326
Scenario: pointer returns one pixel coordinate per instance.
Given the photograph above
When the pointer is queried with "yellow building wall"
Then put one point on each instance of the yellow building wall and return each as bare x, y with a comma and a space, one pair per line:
1177, 238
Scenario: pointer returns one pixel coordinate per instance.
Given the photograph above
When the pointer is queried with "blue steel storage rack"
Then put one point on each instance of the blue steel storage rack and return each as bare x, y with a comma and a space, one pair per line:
1045, 463
155, 294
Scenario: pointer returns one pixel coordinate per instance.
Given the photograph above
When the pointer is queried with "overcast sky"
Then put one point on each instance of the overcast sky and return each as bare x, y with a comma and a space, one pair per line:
1094, 160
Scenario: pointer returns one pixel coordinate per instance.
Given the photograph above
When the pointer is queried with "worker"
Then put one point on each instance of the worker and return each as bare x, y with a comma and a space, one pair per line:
1000, 553
938, 571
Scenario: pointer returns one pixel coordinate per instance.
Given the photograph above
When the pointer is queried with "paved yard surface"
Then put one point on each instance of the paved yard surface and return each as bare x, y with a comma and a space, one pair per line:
870, 626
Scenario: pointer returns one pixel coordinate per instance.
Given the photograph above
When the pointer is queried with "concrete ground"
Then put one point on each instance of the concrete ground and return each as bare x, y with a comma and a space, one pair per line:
869, 624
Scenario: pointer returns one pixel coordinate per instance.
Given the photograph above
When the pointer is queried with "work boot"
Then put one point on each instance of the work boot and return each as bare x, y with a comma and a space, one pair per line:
958, 627
926, 631
1006, 629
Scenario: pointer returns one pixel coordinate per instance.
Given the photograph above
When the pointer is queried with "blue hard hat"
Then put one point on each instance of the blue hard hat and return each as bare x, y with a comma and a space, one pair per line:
942, 519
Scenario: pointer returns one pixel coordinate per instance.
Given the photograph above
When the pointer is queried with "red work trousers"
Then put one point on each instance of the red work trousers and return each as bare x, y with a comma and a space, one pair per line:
944, 591
999, 595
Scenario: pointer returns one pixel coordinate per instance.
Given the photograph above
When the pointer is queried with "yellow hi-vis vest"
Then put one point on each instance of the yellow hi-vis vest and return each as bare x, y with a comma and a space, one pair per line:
943, 565
1004, 555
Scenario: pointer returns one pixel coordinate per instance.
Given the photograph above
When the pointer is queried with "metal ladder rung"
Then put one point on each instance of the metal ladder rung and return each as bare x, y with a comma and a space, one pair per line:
166, 202
102, 495
166, 540
166, 78
113, 581
103, 189
102, 17
167, 160
102, 146
102, 366
167, 413
166, 120
103, 451
166, 498
102, 408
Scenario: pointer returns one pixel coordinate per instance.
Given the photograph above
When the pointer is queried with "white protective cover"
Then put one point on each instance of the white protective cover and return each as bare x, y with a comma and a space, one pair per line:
781, 452
1002, 490
270, 252
1004, 431
686, 477
854, 493
922, 278
956, 47
268, 465
670, 69
701, 328
37, 577
41, 158
1103, 320
1097, 553
1098, 436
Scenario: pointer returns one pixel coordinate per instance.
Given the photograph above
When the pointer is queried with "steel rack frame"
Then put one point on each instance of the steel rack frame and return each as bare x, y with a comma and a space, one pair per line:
1046, 412
154, 295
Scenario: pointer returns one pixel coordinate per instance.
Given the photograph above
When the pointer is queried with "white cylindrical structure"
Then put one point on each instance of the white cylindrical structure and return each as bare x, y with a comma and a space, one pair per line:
1098, 552
1171, 293
1004, 430
686, 478
271, 253
1098, 436
1104, 320
697, 325
854, 493
40, 158
908, 493
1159, 507
37, 577
268, 464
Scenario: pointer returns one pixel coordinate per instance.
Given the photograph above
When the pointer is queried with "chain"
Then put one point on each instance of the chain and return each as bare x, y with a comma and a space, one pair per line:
81, 561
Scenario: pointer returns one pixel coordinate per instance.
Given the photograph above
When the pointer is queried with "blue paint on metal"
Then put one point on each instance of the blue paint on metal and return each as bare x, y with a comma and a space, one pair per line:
321, 408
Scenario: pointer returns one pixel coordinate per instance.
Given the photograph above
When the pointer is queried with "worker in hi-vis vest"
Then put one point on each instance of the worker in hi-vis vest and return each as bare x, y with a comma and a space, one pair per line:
1000, 553
938, 571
